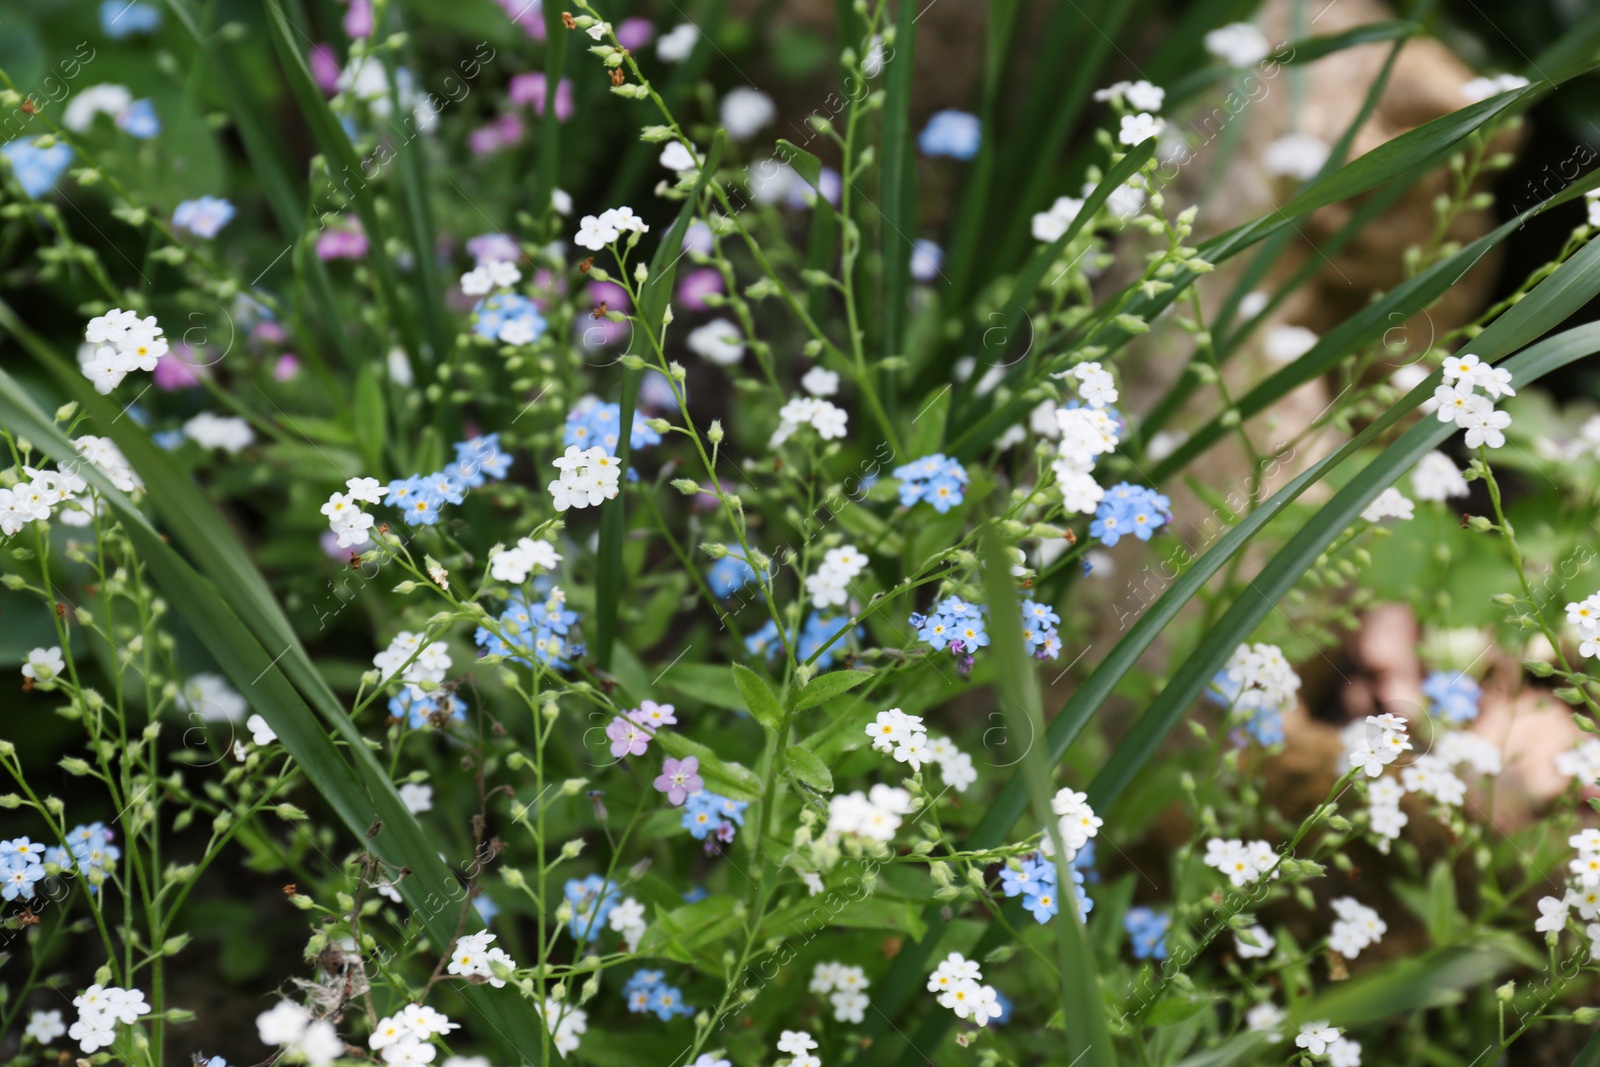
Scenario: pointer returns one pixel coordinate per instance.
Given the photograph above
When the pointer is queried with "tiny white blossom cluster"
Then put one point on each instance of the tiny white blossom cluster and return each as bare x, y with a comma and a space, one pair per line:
61, 493
430, 666
845, 987
488, 277
1460, 403
827, 418
798, 1044
1087, 432
957, 980
1295, 155
1381, 744
100, 1009
1238, 44
404, 1037
874, 815
227, 432
570, 1023
475, 957
1077, 821
1260, 945
1582, 762
597, 231
345, 517
955, 766
526, 557
1320, 1039
301, 1035
1483, 87
1389, 504
1049, 225
829, 584
1585, 615
1260, 678
1583, 894
124, 343
1357, 927
1243, 863
903, 736
589, 477
1432, 777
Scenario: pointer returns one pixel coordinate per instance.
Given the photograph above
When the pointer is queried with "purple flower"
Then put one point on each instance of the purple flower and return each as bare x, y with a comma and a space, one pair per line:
287, 368
342, 242
627, 738
325, 69
175, 371
635, 33
533, 89
493, 248
696, 286
529, 14
358, 20
679, 779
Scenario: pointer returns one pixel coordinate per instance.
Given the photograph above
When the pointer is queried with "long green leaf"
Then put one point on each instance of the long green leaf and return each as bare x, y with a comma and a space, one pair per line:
1083, 1010
899, 223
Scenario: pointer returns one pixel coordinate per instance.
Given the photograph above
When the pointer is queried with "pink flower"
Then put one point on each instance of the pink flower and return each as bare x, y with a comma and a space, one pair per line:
270, 332
653, 716
613, 295
680, 779
635, 33
177, 370
358, 20
483, 140
325, 69
532, 89
493, 248
525, 13
627, 739
342, 242
287, 368
696, 286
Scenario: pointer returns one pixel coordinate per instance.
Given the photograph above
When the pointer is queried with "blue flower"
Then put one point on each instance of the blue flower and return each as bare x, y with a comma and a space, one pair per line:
1452, 695
121, 19
705, 814
418, 711
593, 423
1043, 904
478, 459
204, 217
1130, 509
818, 632
36, 169
1147, 930
937, 479
730, 573
1084, 861
950, 133
1039, 626
643, 980
446, 486
168, 440
532, 632
494, 312
139, 120
592, 900
926, 259
18, 874
764, 641
666, 1002
487, 909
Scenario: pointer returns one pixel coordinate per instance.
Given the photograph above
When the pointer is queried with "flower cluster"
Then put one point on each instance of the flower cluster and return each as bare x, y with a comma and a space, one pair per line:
100, 1009
817, 633
1089, 428
1243, 863
957, 980
1257, 685
1036, 879
874, 815
527, 631
124, 343
593, 423
526, 557
1583, 893
827, 418
300, 1035
1039, 627
1389, 504
1461, 403
1381, 744
707, 815
902, 736
346, 520
1130, 509
627, 919
1077, 823
404, 1037
955, 766
829, 584
589, 477
1437, 478
845, 987
566, 1024
647, 992
1585, 615
936, 479
1357, 927
476, 956
62, 493
1147, 931
1320, 1039
597, 231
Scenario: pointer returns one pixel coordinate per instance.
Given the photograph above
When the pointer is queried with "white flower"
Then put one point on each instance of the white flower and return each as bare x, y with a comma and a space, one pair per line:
829, 584
416, 797
796, 1042
719, 340
676, 44
1264, 945
745, 110
1285, 344
1238, 44
1138, 128
819, 381
44, 666
676, 157
106, 369
212, 698
1389, 504
229, 433
514, 564
589, 477
1139, 95
1078, 822
260, 732
623, 220
1295, 155
1048, 226
1436, 478
1484, 87
594, 233
1345, 1053
1267, 1016
1552, 914
1315, 1037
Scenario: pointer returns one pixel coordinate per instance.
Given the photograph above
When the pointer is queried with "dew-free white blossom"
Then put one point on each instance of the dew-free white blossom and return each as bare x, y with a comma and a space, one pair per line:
227, 432
476, 956
1316, 1037
675, 157
1139, 95
1389, 504
1264, 943
1433, 777
589, 477
1482, 88
1295, 155
719, 340
1285, 344
745, 111
1437, 478
212, 698
828, 419
627, 919
1242, 863
829, 584
431, 665
1238, 44
819, 381
1138, 128
1357, 927
1077, 822
676, 44
1048, 226
44, 666
514, 564
567, 1024
1264, 1017
417, 798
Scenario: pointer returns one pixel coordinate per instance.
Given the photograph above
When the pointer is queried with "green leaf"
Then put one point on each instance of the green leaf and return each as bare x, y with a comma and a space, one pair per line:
1311, 49
1175, 1007
806, 766
705, 682
812, 916
827, 686
371, 419
1088, 1037
678, 933
899, 224
805, 164
1442, 917
761, 702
